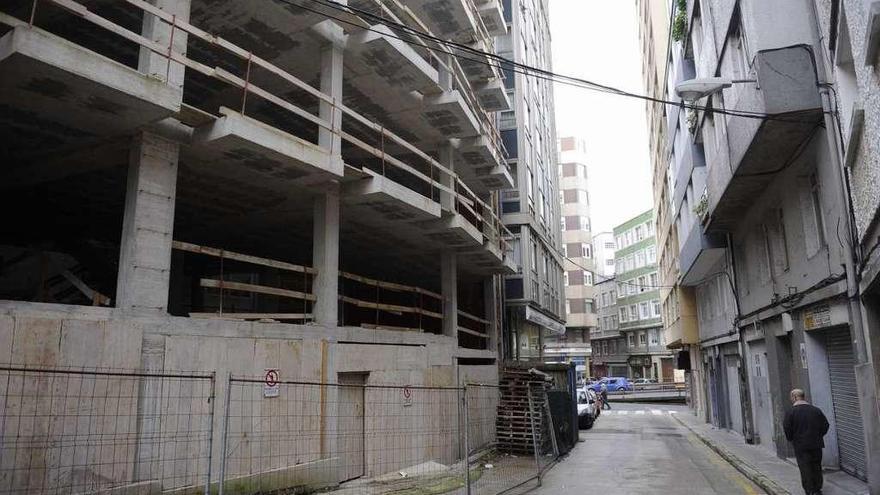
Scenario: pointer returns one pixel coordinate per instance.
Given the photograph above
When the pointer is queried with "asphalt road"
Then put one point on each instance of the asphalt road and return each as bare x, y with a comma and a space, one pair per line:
640, 449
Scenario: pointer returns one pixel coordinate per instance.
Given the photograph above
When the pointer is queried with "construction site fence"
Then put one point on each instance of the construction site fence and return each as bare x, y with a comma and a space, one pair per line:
89, 431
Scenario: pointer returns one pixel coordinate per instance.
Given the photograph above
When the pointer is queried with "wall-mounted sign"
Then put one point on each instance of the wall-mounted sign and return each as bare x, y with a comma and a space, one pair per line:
407, 394
545, 321
270, 383
817, 317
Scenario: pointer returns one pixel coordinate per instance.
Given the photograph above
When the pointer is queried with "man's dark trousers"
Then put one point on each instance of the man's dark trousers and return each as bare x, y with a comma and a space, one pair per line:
810, 463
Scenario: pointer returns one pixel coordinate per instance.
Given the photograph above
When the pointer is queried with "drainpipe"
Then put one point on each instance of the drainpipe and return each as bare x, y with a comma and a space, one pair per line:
850, 256
834, 136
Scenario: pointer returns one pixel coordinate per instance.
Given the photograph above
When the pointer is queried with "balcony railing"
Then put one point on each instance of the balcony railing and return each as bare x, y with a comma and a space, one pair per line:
429, 172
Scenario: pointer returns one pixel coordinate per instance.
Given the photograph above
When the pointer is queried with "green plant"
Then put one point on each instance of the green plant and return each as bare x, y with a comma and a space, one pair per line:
679, 24
702, 207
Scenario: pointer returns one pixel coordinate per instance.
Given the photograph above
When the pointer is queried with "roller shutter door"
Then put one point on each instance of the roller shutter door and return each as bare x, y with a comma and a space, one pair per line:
848, 418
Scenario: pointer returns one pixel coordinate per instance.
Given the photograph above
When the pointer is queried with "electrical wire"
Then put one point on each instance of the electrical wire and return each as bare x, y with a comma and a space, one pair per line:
525, 70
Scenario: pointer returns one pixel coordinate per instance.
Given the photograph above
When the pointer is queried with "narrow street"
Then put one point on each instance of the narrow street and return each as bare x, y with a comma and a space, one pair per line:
641, 449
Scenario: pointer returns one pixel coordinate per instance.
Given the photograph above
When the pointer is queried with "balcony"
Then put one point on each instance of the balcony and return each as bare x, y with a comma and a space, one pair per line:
787, 90
699, 254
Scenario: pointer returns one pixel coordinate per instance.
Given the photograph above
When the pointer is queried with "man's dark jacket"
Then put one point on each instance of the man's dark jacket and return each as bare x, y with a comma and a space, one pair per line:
805, 425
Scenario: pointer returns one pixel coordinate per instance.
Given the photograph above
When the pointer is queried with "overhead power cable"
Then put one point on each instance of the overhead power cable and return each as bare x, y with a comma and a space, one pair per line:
516, 67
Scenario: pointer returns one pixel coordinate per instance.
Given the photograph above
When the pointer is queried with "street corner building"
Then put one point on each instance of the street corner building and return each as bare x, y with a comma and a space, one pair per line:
765, 191
289, 192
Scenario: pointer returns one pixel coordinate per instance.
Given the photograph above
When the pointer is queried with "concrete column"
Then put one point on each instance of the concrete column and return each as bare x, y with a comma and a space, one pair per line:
449, 291
325, 256
331, 83
148, 225
490, 298
162, 33
447, 159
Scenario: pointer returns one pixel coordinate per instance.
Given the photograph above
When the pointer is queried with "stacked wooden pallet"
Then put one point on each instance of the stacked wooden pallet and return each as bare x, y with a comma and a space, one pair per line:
515, 419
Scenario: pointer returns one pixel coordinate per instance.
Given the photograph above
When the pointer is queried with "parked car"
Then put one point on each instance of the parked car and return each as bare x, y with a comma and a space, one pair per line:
588, 408
614, 384
644, 381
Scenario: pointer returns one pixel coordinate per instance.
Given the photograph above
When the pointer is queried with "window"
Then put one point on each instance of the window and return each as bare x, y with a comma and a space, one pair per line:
644, 310
652, 281
655, 306
534, 256
609, 245
649, 227
633, 312
587, 250
640, 233
641, 282
640, 259
609, 262
622, 312
643, 339
569, 196
654, 339
567, 307
565, 279
588, 278
652, 254
632, 340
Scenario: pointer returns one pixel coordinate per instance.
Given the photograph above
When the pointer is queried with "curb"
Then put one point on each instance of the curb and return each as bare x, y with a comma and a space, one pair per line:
756, 476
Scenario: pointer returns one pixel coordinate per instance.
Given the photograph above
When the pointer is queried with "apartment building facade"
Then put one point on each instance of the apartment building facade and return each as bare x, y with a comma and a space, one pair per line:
638, 299
534, 296
610, 355
761, 206
851, 43
603, 254
578, 253
300, 190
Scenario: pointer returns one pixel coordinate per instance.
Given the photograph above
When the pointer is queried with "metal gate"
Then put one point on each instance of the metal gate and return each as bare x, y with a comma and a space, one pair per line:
850, 439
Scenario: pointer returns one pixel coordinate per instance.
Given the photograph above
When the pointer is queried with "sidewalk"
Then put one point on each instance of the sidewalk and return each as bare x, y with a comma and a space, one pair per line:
776, 476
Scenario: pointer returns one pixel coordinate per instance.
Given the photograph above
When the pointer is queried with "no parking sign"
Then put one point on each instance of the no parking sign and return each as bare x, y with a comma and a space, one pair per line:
270, 385
406, 392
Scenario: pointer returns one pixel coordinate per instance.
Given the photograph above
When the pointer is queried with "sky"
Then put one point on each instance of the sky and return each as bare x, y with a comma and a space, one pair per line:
599, 41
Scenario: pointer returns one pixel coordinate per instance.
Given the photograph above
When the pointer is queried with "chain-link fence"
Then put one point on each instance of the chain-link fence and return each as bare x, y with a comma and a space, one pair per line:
76, 431
72, 431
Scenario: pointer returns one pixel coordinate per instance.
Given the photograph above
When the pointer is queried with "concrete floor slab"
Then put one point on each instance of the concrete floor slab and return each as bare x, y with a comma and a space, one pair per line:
389, 199
254, 148
71, 92
493, 96
394, 60
492, 16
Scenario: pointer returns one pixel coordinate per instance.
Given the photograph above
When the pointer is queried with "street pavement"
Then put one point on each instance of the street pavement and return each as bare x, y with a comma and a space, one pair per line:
641, 449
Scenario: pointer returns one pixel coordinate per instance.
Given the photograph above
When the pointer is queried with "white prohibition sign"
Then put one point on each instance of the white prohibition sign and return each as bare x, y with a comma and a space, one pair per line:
407, 396
270, 387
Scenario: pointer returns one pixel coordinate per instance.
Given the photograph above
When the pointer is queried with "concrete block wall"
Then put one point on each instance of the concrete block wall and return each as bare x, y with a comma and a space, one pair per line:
396, 436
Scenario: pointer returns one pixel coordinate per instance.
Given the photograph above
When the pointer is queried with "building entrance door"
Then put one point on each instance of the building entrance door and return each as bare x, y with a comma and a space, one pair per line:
762, 409
350, 425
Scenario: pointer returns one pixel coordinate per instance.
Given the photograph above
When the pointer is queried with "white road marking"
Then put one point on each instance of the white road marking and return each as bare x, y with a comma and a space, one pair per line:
640, 412
671, 412
656, 412
623, 413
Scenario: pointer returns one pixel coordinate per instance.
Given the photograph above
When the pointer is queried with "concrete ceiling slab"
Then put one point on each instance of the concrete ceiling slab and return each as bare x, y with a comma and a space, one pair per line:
256, 153
394, 60
492, 16
76, 93
493, 96
451, 19
390, 200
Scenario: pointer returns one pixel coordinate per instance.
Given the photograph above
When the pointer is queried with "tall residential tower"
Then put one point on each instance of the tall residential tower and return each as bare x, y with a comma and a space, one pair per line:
534, 295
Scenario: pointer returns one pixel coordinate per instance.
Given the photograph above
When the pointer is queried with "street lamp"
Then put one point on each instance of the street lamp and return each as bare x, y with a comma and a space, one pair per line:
694, 89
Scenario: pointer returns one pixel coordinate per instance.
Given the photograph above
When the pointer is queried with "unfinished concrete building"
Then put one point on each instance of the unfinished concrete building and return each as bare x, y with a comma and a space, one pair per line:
237, 186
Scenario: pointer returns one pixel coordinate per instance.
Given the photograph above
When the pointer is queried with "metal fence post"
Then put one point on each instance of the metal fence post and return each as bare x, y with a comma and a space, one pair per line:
225, 434
534, 435
211, 401
467, 443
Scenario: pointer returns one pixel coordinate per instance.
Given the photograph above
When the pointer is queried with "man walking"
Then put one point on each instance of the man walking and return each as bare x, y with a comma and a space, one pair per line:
604, 394
805, 425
